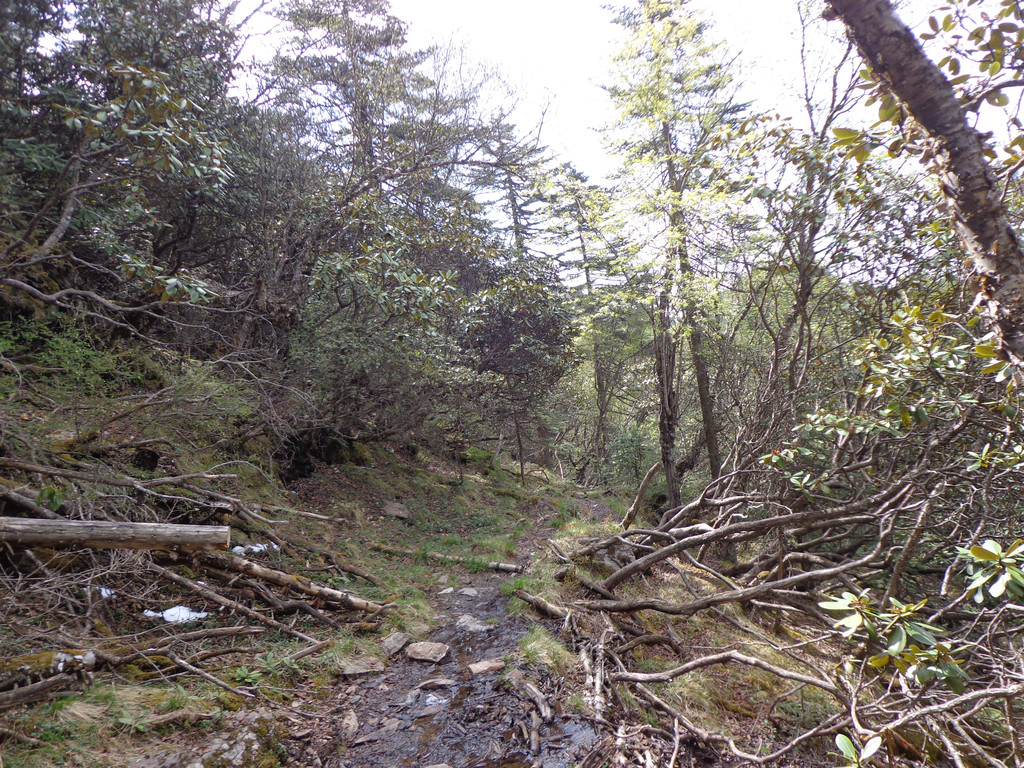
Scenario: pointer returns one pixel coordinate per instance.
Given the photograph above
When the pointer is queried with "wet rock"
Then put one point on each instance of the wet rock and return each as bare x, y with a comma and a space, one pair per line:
397, 509
365, 665
437, 682
468, 592
487, 665
471, 624
390, 725
395, 642
432, 652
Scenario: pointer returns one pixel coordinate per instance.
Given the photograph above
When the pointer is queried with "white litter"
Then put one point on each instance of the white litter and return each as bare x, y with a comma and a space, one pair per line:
256, 548
179, 614
107, 592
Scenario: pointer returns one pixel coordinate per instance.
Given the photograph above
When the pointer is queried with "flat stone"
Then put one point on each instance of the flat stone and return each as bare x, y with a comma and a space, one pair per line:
487, 665
365, 665
442, 579
471, 624
432, 652
397, 509
395, 642
468, 592
437, 682
447, 591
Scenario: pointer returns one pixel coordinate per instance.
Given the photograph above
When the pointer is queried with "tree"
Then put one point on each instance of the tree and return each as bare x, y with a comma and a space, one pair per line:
897, 59
673, 95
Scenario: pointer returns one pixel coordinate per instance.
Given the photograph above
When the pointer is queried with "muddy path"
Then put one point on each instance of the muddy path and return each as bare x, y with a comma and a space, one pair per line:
416, 714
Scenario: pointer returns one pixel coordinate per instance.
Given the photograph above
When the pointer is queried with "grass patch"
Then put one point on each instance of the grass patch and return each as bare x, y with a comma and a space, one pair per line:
541, 649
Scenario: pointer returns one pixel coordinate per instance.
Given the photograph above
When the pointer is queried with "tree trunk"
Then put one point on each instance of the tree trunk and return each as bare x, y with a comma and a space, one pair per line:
64, 534
677, 184
668, 401
707, 406
898, 59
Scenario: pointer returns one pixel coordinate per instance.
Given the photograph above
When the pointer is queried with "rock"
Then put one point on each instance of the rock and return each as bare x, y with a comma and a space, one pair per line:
364, 665
487, 665
437, 682
349, 725
390, 726
396, 509
468, 592
395, 642
442, 579
446, 591
432, 652
438, 765
471, 624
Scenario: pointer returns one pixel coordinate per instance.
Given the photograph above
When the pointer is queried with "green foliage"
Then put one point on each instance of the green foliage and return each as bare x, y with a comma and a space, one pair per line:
855, 758
989, 562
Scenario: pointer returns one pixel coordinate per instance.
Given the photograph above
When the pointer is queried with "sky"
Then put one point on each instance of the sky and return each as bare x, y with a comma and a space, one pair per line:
557, 53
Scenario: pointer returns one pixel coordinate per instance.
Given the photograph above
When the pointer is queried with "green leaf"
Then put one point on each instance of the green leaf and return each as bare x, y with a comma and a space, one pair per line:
984, 350
835, 605
852, 621
846, 135
897, 641
998, 587
993, 367
874, 743
846, 747
984, 554
924, 675
1016, 574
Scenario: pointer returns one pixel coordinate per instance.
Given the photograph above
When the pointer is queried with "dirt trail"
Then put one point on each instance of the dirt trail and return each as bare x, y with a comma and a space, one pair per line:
417, 714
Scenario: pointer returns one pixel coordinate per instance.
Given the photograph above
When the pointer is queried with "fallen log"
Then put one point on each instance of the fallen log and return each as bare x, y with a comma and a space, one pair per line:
298, 583
494, 566
28, 532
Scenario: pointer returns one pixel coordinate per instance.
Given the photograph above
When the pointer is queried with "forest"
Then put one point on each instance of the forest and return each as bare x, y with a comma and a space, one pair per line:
784, 351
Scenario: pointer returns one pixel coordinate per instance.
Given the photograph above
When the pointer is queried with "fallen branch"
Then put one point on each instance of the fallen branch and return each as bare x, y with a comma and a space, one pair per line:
528, 690
225, 602
641, 494
29, 693
724, 658
542, 605
290, 581
494, 566
316, 648
299, 541
207, 676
